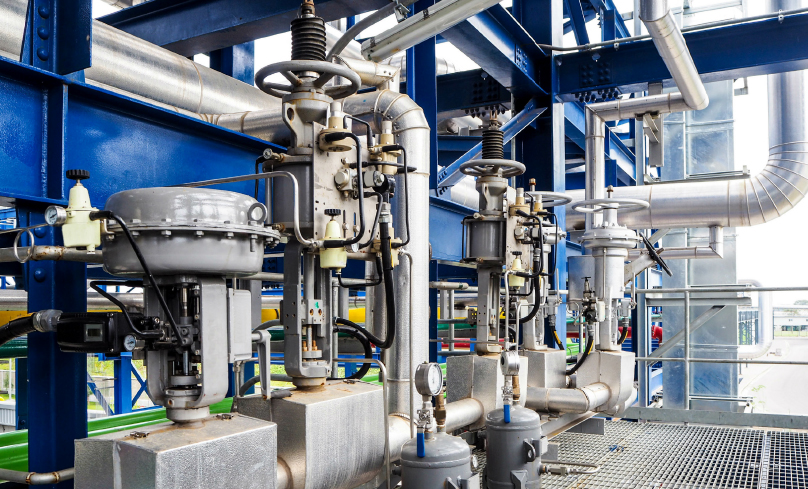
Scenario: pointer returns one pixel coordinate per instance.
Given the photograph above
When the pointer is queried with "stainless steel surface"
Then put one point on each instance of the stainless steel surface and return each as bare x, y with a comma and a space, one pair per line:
37, 479
747, 202
478, 377
686, 339
720, 418
180, 230
463, 413
574, 401
327, 455
594, 164
613, 368
643, 455
412, 131
546, 368
220, 451
721, 360
671, 45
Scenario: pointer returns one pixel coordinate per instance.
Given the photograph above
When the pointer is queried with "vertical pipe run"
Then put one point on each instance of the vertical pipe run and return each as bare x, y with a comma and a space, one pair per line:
451, 316
595, 165
687, 351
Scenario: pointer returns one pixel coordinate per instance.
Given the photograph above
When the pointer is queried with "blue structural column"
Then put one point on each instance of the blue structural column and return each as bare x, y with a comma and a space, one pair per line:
541, 146
238, 62
123, 384
422, 87
57, 381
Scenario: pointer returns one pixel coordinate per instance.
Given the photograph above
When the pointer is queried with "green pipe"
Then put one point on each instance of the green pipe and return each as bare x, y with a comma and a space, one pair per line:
16, 348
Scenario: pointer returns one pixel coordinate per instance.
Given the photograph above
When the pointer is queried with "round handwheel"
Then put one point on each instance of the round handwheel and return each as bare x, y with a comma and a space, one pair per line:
652, 252
289, 68
492, 168
593, 206
550, 199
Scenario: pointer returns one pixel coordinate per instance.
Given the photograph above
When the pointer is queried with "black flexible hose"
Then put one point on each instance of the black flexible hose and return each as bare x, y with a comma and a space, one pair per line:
365, 368
389, 292
624, 334
111, 215
143, 334
375, 221
398, 147
339, 243
373, 283
15, 328
589, 344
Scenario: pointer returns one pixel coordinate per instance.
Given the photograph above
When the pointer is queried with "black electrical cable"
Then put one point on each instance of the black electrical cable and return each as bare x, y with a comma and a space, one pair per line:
111, 215
365, 368
624, 334
15, 328
276, 394
368, 130
372, 283
339, 243
587, 350
143, 334
387, 269
375, 220
398, 147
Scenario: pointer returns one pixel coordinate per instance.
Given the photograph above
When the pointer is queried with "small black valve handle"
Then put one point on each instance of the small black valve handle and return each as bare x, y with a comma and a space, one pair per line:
655, 256
77, 175
333, 212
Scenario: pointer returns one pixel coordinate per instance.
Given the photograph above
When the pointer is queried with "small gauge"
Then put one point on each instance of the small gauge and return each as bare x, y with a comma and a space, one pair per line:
55, 215
129, 342
429, 379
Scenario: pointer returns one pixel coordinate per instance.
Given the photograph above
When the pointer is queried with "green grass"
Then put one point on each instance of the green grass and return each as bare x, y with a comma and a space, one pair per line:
791, 334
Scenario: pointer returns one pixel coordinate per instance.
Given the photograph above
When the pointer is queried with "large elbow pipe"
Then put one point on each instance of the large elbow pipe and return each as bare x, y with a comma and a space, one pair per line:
572, 401
671, 45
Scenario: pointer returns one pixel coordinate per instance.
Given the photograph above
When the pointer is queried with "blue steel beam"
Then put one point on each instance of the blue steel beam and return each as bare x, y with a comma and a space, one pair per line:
190, 27
64, 49
500, 45
578, 21
450, 175
606, 5
725, 53
51, 124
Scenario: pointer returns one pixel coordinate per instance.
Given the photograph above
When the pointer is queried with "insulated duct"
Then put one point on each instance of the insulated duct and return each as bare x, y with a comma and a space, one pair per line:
411, 131
734, 203
131, 64
748, 202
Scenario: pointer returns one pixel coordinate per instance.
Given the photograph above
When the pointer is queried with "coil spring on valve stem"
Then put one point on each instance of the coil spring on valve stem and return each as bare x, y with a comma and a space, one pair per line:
308, 36
493, 144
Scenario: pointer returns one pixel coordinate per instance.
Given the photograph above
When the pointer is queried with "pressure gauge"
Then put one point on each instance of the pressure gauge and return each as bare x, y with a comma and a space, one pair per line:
55, 215
130, 342
429, 379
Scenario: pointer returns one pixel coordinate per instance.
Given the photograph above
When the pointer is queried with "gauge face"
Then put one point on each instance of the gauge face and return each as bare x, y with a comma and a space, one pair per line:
54, 215
129, 342
429, 379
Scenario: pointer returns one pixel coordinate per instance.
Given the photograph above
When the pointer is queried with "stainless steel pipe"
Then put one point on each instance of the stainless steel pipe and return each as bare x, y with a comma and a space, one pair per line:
570, 401
462, 413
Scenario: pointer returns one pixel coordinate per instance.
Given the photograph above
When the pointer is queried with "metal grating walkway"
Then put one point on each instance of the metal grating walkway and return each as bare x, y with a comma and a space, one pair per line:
660, 456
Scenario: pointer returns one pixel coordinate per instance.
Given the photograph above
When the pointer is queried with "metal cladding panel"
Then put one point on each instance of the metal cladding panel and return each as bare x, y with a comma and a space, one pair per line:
323, 454
218, 452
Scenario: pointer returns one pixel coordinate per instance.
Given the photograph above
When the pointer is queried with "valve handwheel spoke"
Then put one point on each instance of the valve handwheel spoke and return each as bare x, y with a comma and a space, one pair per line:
326, 72
623, 206
487, 168
655, 256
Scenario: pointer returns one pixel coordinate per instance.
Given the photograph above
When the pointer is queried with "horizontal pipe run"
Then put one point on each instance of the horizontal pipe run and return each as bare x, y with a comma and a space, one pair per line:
55, 253
462, 413
697, 290
36, 478
452, 286
576, 401
721, 360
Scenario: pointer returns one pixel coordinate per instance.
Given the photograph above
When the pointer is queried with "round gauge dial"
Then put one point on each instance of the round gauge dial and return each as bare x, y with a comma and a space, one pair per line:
429, 379
130, 342
55, 215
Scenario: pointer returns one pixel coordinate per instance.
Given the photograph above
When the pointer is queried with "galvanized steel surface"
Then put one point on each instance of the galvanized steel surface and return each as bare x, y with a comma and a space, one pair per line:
662, 456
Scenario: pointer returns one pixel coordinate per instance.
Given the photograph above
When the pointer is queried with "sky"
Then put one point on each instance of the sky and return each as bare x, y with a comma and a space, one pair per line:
769, 253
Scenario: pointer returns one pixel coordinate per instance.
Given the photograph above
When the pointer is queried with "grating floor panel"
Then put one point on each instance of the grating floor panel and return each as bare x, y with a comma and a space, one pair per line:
659, 456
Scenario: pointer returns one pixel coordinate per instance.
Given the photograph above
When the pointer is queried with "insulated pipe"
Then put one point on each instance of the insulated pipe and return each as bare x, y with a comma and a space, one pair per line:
765, 327
572, 401
714, 250
671, 45
37, 478
462, 413
733, 203
129, 63
411, 131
